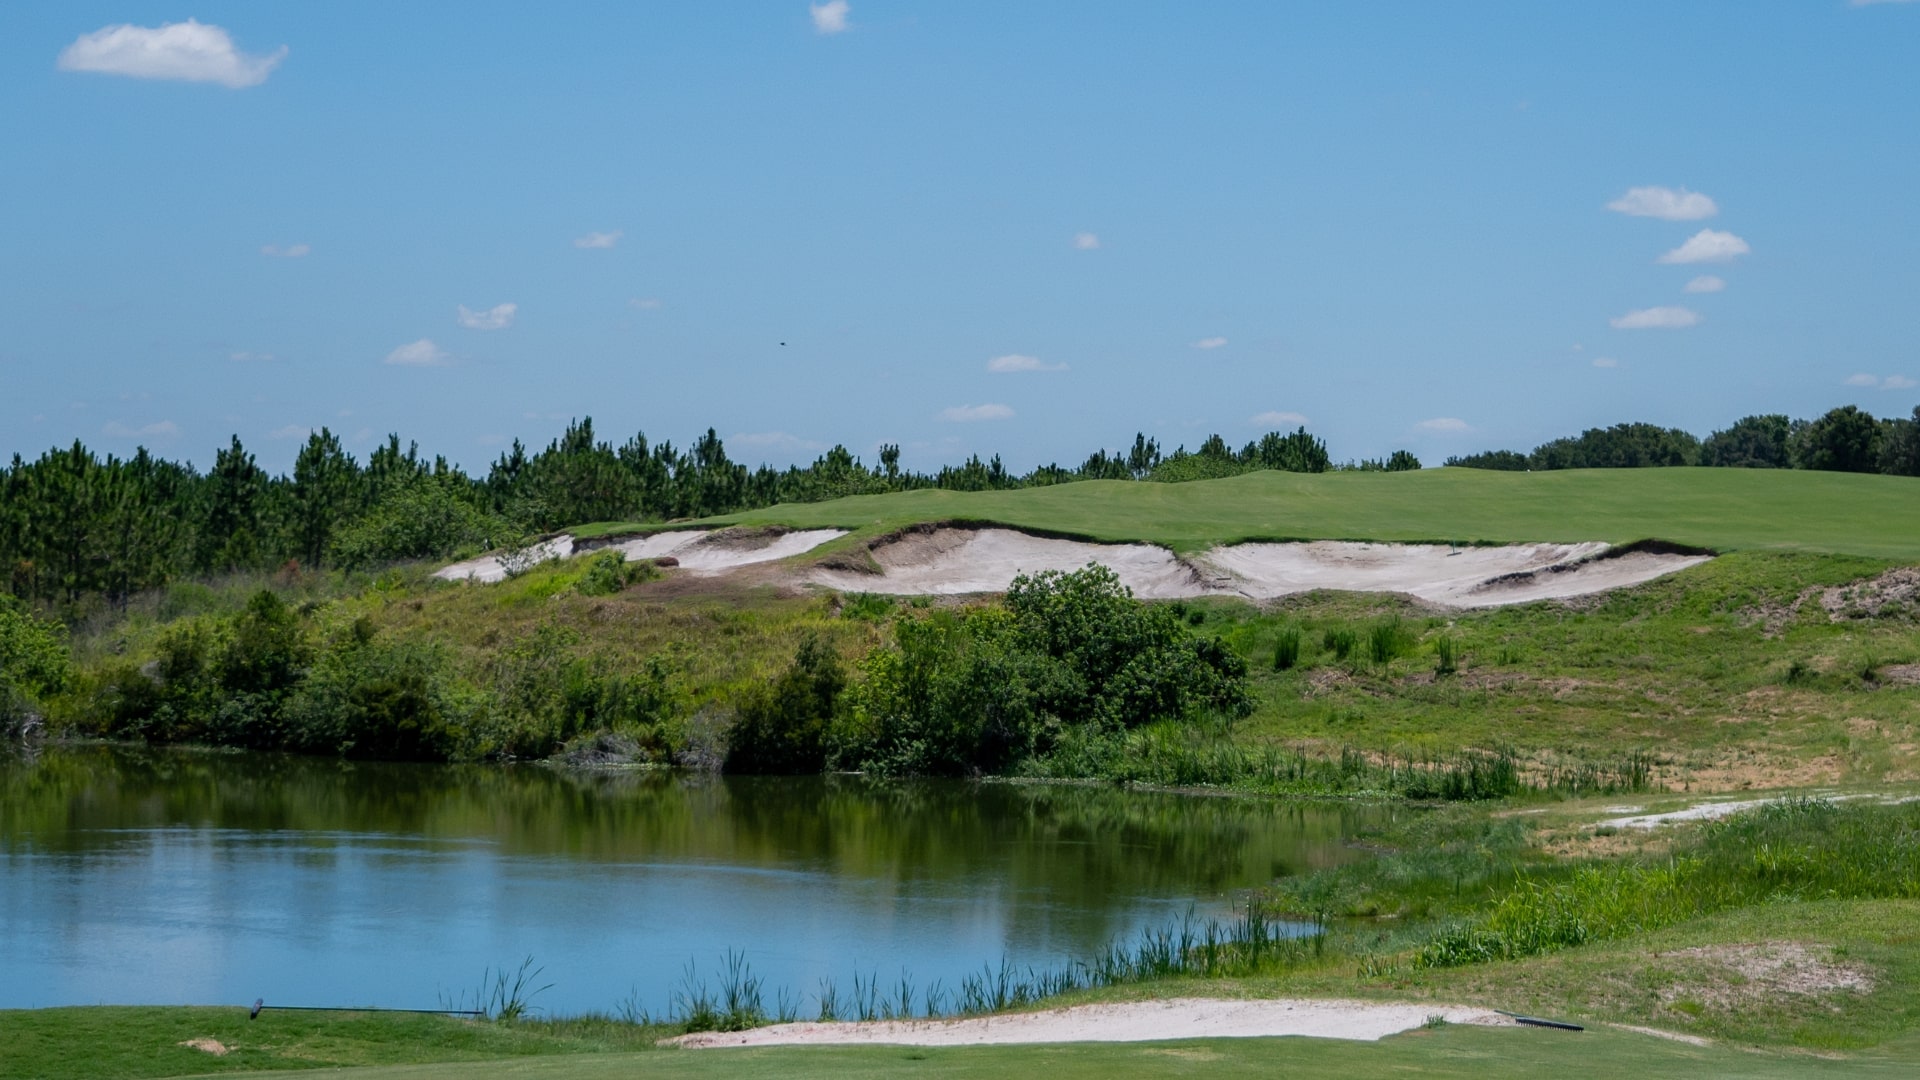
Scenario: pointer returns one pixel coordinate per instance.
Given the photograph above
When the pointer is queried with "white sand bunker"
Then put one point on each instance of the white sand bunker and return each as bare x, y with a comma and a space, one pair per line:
1136, 1021
699, 551
962, 560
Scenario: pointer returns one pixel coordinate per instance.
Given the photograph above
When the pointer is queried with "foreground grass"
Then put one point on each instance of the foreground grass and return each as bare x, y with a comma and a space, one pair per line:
1724, 509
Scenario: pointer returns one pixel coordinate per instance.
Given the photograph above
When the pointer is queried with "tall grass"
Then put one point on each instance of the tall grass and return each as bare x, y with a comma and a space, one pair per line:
1286, 648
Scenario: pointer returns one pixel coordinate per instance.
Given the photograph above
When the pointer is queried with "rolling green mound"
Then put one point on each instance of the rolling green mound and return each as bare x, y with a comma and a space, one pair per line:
1723, 509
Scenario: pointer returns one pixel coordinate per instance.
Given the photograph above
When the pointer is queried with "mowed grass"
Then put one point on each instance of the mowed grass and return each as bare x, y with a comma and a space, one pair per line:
1723, 509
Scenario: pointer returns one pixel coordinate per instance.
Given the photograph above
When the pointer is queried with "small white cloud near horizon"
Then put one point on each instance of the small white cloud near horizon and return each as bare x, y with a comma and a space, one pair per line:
1706, 283
291, 431
291, 251
1210, 343
1278, 419
1086, 241
598, 239
1664, 203
830, 17
775, 440
187, 52
645, 303
1605, 361
1891, 382
116, 429
422, 353
244, 357
497, 317
1707, 245
1015, 362
1655, 318
968, 413
1444, 424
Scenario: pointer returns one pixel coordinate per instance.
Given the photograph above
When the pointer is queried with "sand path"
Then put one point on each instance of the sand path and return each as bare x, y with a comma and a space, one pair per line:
1134, 1021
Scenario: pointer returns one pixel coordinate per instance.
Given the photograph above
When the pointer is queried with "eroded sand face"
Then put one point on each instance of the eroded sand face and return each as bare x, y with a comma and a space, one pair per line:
1134, 1021
949, 561
699, 551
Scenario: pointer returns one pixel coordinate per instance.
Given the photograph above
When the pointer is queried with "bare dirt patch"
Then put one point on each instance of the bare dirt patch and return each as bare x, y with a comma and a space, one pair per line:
207, 1046
1894, 594
1134, 1021
1723, 976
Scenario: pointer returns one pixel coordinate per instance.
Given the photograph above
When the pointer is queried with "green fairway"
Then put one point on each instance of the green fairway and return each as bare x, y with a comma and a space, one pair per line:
1724, 509
1458, 1052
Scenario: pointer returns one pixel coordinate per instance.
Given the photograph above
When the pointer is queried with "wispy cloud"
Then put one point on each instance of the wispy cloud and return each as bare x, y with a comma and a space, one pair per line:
291, 251
1706, 283
645, 303
1655, 318
966, 413
1891, 382
1664, 203
1015, 362
1605, 361
776, 440
188, 52
598, 239
1707, 245
830, 17
422, 353
1210, 343
116, 429
291, 431
1444, 424
1086, 241
244, 357
1278, 419
497, 317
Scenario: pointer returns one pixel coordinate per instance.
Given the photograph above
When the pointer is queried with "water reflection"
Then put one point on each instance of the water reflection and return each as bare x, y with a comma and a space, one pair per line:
148, 876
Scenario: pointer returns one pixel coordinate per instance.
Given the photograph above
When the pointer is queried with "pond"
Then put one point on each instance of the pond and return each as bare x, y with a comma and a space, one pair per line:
132, 876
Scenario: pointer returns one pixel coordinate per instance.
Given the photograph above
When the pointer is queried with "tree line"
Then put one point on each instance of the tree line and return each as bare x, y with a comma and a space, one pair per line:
1846, 439
75, 525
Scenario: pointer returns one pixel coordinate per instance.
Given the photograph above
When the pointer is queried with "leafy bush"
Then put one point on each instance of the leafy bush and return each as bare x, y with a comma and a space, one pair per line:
419, 518
367, 698
34, 664
782, 727
609, 572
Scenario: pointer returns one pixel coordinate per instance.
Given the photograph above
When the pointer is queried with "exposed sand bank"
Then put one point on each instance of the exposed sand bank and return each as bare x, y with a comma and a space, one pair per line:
1134, 1021
700, 551
964, 560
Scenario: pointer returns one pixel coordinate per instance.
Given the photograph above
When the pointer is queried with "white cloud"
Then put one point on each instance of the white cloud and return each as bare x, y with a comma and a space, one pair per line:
1086, 241
1279, 419
1210, 343
1706, 283
497, 317
964, 413
250, 357
1707, 245
118, 430
830, 17
422, 353
291, 431
189, 51
775, 440
1014, 362
598, 239
1444, 424
1655, 318
645, 303
1605, 361
1664, 203
1891, 382
291, 251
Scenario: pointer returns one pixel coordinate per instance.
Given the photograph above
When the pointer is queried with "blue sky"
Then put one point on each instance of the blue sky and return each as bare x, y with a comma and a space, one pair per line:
1389, 219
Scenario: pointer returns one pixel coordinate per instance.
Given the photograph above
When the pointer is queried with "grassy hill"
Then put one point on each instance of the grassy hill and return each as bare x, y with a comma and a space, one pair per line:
1724, 509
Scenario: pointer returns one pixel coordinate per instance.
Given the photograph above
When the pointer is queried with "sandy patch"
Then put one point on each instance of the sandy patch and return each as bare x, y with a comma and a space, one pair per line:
1757, 972
209, 1046
1138, 1021
948, 561
1706, 811
1690, 1040
700, 551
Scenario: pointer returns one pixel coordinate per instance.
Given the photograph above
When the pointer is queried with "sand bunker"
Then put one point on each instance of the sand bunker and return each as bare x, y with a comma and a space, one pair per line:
699, 551
960, 560
1136, 1021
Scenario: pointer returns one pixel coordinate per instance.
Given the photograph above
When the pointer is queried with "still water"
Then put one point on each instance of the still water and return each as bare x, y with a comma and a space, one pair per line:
134, 876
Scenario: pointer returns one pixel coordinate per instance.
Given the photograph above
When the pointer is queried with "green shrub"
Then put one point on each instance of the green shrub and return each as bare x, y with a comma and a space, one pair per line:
1386, 640
1286, 649
1446, 655
1339, 640
782, 727
386, 701
422, 517
610, 571
34, 664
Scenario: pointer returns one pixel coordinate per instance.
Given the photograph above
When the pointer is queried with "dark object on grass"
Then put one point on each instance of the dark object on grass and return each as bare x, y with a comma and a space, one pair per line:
1535, 1021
